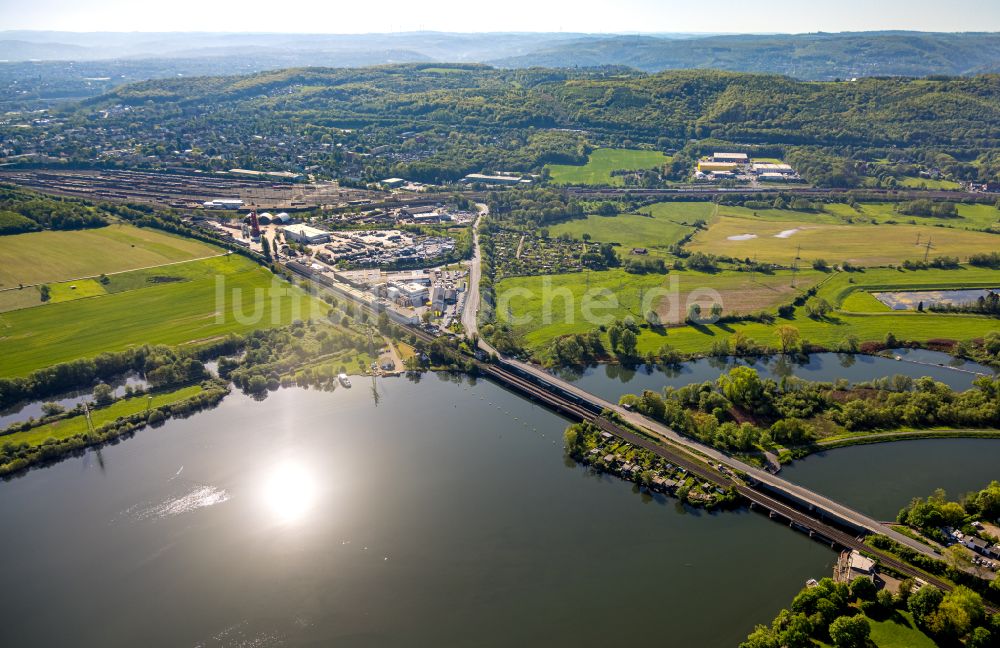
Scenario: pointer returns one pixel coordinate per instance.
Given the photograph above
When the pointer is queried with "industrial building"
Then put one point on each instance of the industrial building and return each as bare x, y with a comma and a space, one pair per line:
301, 233
492, 179
735, 158
708, 166
772, 167
223, 203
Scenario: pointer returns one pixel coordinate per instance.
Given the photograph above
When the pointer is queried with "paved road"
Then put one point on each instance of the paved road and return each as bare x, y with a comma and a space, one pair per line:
670, 436
470, 310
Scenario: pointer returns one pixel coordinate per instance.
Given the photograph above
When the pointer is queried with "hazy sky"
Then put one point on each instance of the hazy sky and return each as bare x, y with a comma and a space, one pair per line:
338, 16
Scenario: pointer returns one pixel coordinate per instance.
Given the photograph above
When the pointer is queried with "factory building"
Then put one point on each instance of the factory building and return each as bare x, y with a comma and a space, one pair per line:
706, 166
301, 233
223, 203
734, 158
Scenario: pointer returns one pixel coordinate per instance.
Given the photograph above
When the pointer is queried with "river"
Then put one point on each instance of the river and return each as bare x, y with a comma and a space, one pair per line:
437, 512
611, 381
433, 518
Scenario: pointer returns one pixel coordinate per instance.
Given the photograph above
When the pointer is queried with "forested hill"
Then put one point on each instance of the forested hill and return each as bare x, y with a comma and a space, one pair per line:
438, 122
739, 107
802, 56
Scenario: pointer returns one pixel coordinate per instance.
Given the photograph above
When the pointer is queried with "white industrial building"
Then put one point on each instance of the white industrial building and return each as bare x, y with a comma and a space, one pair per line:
735, 158
302, 233
223, 203
771, 167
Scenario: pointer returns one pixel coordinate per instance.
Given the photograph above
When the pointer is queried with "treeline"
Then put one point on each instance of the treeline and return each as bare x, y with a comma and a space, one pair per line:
988, 304
161, 365
18, 456
936, 511
740, 412
27, 211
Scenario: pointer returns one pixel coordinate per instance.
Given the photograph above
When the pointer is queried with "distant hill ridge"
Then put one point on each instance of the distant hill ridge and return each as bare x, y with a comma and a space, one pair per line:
820, 56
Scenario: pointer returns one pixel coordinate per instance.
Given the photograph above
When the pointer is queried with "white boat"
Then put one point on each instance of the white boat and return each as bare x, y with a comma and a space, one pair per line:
344, 380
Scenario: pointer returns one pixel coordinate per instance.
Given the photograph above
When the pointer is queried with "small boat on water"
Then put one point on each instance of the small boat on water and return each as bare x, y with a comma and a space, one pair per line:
344, 380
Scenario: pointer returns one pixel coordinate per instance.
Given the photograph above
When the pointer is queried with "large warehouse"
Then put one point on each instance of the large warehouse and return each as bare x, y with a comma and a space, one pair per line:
301, 233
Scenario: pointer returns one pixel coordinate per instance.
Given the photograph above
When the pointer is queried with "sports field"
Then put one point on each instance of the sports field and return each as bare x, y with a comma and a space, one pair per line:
600, 164
220, 296
51, 256
866, 245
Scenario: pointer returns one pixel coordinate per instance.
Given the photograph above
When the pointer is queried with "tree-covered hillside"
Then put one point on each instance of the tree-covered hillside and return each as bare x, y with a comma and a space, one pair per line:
436, 123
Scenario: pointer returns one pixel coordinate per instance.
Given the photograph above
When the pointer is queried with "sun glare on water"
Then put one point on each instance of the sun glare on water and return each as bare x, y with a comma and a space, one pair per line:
289, 492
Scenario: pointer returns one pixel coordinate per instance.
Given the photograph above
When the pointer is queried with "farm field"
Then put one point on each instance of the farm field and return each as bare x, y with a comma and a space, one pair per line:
52, 256
656, 233
556, 304
866, 245
859, 314
979, 217
928, 183
132, 280
600, 164
165, 313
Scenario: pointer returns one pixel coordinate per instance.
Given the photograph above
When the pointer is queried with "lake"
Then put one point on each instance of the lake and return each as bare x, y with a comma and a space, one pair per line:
437, 512
432, 518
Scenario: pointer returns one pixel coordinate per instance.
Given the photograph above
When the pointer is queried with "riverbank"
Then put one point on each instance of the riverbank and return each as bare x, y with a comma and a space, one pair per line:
52, 441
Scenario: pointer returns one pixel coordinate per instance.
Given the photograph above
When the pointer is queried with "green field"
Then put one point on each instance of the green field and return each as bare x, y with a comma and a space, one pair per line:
899, 632
927, 183
43, 257
655, 233
600, 164
557, 304
859, 315
980, 217
867, 245
163, 313
68, 427
122, 282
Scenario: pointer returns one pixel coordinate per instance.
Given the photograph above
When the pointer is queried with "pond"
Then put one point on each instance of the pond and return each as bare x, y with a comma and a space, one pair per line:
910, 300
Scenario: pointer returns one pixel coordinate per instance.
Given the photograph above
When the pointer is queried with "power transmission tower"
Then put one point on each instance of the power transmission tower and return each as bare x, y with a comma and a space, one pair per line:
927, 251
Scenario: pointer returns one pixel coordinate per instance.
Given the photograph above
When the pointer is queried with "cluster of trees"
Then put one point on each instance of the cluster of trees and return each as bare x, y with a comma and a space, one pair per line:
930, 514
839, 613
927, 404
161, 365
988, 304
537, 207
985, 350
939, 262
27, 211
984, 260
273, 353
581, 438
929, 208
741, 412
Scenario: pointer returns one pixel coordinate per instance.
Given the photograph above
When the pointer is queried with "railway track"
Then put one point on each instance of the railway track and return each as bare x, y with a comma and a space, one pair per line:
575, 408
